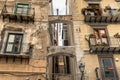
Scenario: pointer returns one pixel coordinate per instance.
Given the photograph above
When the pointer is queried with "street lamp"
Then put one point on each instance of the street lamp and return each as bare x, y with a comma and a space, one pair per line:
82, 68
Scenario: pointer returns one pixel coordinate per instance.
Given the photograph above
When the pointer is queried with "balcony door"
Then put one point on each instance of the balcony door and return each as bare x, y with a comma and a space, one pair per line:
108, 71
101, 36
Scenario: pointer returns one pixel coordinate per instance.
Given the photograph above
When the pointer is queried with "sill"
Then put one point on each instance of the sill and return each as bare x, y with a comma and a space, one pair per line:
17, 58
11, 54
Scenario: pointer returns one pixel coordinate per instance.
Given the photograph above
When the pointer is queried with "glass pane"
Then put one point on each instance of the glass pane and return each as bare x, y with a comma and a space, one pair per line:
26, 6
64, 33
20, 6
11, 38
104, 41
24, 10
19, 10
16, 48
92, 41
107, 63
102, 31
17, 43
18, 39
109, 74
9, 48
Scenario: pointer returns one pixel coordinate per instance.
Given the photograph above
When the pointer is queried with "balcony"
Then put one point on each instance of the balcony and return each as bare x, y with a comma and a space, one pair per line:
93, 0
109, 44
61, 76
57, 76
98, 15
61, 49
9, 15
24, 54
117, 0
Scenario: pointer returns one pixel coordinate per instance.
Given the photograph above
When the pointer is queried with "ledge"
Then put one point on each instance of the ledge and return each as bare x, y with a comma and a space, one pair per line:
61, 49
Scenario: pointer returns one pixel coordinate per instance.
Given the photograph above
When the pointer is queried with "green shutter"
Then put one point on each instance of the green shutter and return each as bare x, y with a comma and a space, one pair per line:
28, 10
15, 10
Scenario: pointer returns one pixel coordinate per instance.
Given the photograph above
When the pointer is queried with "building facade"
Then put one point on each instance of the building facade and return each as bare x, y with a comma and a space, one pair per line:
37, 45
23, 39
97, 23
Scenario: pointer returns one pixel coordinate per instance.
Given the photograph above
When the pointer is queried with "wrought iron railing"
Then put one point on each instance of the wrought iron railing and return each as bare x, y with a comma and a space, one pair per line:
97, 11
110, 41
10, 13
93, 0
99, 15
10, 9
56, 76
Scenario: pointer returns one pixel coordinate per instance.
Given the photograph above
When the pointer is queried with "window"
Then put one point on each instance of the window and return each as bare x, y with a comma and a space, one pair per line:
22, 8
60, 34
61, 64
108, 68
100, 37
65, 36
13, 43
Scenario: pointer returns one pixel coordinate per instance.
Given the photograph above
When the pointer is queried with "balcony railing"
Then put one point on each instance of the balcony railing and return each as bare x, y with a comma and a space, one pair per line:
59, 76
117, 0
98, 15
110, 44
9, 14
93, 0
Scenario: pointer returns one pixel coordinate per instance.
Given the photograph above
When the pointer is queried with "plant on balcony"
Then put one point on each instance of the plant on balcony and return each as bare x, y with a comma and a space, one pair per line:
104, 44
117, 35
104, 35
107, 8
92, 36
87, 37
83, 11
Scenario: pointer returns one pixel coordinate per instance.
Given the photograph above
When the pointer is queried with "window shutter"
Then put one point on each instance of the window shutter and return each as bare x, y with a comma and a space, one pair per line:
68, 64
15, 9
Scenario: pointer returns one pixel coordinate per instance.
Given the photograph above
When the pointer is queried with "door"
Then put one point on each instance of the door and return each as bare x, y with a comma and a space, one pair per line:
108, 70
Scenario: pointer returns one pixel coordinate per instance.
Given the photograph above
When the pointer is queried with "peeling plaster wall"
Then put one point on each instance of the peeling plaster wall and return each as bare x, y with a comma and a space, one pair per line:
37, 34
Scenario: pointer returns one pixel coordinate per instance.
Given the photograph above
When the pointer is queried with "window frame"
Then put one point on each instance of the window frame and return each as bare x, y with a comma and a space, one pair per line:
57, 66
99, 38
16, 8
6, 42
103, 69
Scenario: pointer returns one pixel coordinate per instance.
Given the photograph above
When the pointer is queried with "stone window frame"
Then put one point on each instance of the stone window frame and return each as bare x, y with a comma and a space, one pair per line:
23, 7
61, 63
6, 37
13, 43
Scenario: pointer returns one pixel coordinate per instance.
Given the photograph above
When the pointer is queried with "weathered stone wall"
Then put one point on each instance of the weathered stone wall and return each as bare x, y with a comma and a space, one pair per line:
81, 29
35, 33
